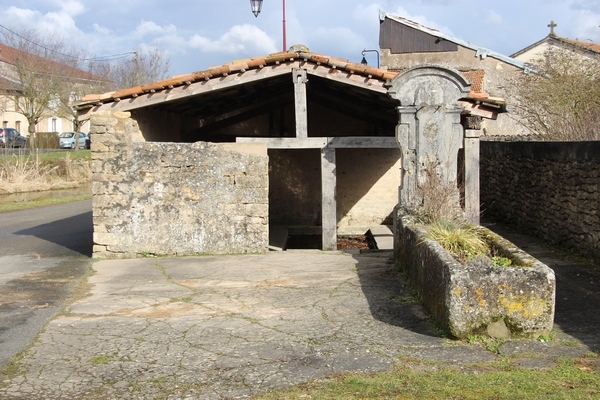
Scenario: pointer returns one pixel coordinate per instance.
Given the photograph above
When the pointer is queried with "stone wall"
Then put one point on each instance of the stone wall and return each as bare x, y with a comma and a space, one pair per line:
175, 198
551, 189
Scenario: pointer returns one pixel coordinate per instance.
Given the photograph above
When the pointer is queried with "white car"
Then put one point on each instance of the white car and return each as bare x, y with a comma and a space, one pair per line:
67, 140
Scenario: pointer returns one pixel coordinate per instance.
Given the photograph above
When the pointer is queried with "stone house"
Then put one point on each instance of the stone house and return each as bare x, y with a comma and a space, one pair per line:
214, 161
11, 86
543, 48
404, 44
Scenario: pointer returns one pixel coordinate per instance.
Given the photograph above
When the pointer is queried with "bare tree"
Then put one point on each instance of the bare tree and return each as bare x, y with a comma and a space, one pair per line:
144, 67
560, 98
129, 70
47, 72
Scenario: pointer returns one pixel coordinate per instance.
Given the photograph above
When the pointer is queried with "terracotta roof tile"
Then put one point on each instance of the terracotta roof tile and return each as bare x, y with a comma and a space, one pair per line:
587, 45
218, 71
11, 55
134, 91
338, 64
256, 62
475, 77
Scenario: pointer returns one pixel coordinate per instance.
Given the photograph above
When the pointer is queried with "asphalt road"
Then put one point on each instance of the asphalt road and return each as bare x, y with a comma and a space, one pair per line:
43, 253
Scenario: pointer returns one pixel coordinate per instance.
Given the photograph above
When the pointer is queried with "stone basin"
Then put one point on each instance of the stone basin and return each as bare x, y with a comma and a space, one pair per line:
470, 300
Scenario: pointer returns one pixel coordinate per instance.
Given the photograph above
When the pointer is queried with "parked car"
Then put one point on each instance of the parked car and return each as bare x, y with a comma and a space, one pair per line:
10, 137
88, 142
67, 140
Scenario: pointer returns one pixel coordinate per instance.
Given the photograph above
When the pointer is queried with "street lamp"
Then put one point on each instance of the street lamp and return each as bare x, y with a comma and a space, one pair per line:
364, 60
256, 6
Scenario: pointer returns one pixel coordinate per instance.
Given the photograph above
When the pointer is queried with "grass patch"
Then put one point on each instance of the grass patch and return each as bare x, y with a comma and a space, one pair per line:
491, 344
51, 156
38, 171
99, 360
41, 202
568, 380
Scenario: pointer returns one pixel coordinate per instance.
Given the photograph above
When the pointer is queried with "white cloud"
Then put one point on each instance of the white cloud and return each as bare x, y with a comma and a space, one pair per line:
367, 15
201, 33
586, 26
239, 39
493, 18
55, 23
151, 28
16, 16
71, 7
336, 41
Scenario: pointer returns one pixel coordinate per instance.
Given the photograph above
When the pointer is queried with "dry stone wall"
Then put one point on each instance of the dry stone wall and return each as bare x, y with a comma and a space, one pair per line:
551, 189
174, 198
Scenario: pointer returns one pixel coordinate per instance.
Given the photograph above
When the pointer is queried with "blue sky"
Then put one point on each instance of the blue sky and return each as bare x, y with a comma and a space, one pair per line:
198, 34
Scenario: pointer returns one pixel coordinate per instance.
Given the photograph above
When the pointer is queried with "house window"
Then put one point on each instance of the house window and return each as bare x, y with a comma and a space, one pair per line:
54, 124
18, 126
5, 124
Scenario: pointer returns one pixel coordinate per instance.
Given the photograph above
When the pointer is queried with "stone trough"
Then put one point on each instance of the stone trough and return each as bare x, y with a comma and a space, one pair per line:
469, 300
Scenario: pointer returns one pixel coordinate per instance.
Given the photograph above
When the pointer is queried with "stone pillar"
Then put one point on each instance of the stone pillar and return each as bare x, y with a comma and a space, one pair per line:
300, 102
471, 146
408, 149
328, 194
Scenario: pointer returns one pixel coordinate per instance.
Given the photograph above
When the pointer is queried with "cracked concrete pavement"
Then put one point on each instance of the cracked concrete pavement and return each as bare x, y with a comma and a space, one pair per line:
222, 327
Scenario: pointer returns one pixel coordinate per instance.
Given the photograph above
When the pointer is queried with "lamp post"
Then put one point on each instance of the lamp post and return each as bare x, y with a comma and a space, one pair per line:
256, 6
364, 60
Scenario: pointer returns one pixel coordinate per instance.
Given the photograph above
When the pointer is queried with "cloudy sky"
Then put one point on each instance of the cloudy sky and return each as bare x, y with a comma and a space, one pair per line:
198, 34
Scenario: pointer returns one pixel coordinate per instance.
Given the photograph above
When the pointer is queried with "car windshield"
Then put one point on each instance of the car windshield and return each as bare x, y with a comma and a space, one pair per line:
66, 135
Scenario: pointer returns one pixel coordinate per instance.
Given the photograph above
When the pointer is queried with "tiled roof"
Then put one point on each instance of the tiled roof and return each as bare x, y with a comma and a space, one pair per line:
7, 85
242, 66
10, 56
586, 45
475, 77
553, 39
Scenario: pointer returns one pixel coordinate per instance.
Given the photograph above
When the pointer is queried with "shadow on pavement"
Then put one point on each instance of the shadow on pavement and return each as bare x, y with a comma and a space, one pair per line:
73, 233
577, 310
391, 298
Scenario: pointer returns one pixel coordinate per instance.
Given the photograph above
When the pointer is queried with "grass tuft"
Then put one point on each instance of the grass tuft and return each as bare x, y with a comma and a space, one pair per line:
461, 240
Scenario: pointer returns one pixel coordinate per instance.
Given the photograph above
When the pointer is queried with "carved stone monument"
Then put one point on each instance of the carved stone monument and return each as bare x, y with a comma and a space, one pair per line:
429, 131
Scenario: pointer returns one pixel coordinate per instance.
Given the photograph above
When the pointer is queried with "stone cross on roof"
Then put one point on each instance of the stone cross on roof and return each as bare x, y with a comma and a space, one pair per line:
552, 25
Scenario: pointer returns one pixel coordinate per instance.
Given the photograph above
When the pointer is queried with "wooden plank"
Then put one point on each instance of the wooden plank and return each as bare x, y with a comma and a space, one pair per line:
346, 142
360, 81
363, 142
287, 143
479, 110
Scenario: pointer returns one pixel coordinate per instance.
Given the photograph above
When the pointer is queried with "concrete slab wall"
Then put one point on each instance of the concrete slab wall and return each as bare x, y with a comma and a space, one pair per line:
367, 187
366, 190
175, 198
